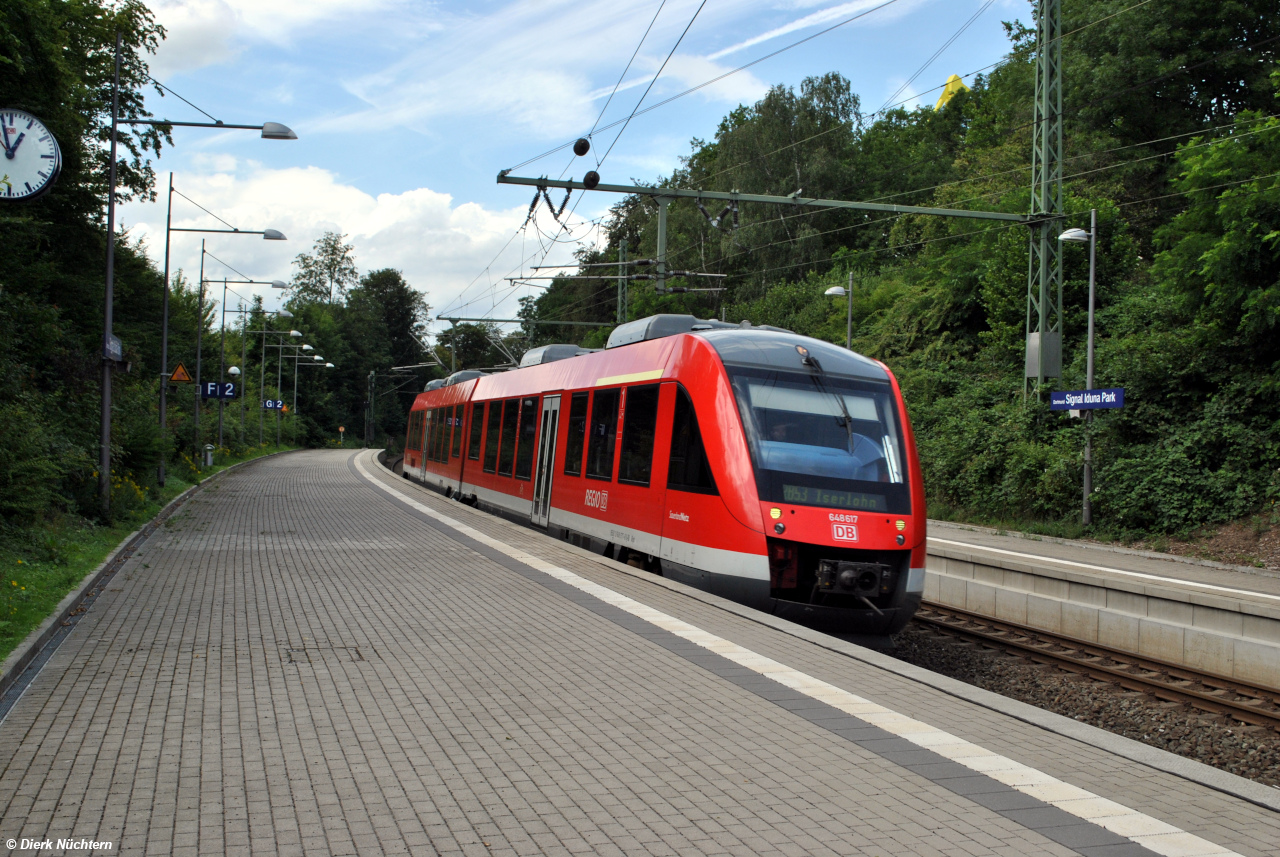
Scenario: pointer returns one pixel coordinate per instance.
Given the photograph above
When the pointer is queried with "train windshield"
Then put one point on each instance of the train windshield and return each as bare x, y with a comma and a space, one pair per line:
823, 440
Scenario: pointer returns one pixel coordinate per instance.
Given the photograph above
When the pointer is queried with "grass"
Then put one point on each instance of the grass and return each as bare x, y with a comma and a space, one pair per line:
41, 563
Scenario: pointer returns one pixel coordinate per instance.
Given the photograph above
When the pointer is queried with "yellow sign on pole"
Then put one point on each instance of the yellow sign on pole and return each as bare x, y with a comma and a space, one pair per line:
180, 375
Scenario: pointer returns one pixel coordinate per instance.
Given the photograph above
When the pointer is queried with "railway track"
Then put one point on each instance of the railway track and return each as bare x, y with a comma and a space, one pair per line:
1210, 693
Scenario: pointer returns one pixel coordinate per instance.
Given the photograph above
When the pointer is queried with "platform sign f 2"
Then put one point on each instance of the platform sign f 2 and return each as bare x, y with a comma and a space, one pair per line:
217, 390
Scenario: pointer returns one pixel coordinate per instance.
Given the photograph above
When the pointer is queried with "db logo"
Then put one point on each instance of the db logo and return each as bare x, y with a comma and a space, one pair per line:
597, 499
844, 532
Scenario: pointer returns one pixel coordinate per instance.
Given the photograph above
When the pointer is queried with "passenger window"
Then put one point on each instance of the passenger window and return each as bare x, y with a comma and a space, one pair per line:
604, 429
507, 452
689, 469
442, 443
428, 432
638, 425
491, 437
477, 431
577, 434
457, 430
528, 437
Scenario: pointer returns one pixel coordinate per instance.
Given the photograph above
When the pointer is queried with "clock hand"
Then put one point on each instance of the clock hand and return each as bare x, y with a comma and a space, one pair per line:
8, 150
14, 148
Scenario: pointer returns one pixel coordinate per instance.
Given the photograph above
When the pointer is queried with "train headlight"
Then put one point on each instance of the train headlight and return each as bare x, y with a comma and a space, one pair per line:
779, 528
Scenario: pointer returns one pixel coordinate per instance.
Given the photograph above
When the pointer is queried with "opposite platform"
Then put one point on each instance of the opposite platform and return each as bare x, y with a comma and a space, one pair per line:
318, 657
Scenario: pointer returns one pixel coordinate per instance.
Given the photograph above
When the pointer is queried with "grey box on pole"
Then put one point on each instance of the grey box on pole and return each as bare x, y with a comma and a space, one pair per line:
1052, 355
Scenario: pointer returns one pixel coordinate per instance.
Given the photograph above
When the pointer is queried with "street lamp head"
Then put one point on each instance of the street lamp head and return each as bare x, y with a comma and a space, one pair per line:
295, 333
234, 371
306, 347
276, 131
836, 291
1074, 235
284, 313
273, 235
328, 365
279, 284
318, 358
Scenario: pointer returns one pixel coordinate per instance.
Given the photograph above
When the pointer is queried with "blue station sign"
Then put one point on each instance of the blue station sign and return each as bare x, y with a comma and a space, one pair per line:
217, 390
1086, 400
273, 404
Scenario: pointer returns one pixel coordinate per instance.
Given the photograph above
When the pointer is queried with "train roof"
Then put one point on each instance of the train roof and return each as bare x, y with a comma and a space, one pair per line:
779, 349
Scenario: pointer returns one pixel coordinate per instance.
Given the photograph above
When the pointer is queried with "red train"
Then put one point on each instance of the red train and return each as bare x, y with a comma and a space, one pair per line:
774, 469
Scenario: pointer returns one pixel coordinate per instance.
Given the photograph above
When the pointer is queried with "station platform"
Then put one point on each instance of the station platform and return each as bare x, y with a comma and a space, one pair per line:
318, 657
1201, 615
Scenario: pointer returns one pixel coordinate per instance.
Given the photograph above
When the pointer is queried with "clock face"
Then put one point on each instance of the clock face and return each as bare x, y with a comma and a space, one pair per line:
31, 160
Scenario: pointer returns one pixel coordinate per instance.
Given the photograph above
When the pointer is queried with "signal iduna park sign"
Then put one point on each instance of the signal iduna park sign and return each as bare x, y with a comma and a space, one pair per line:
1086, 400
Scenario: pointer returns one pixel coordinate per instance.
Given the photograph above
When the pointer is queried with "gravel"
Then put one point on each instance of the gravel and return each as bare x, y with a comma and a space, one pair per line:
1247, 751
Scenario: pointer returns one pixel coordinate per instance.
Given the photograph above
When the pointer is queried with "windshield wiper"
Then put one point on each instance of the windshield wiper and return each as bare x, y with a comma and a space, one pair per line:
846, 420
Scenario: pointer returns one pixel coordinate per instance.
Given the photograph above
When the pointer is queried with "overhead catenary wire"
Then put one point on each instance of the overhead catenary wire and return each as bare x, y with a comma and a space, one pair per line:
718, 78
948, 43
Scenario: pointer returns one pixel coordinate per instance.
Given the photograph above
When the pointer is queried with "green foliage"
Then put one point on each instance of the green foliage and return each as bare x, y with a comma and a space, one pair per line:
1168, 136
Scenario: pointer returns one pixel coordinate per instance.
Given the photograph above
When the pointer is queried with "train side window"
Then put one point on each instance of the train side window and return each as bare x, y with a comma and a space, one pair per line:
457, 431
413, 423
428, 431
507, 452
442, 442
689, 469
477, 431
436, 427
638, 425
604, 430
528, 437
492, 431
577, 434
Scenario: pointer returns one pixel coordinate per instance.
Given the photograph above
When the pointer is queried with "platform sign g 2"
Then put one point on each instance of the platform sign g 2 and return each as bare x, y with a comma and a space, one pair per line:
1086, 400
273, 404
217, 390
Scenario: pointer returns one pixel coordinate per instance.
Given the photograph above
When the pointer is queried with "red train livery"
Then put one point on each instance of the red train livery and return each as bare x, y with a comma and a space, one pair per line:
774, 469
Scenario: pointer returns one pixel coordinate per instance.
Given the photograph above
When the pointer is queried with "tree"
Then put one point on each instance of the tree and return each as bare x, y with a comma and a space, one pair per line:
330, 267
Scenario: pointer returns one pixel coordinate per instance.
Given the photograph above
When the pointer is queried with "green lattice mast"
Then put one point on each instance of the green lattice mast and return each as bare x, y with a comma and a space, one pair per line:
1044, 274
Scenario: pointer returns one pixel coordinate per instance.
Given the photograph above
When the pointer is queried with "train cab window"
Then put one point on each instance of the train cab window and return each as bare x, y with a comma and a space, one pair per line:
457, 431
577, 434
638, 424
507, 452
603, 430
477, 431
528, 437
491, 433
689, 469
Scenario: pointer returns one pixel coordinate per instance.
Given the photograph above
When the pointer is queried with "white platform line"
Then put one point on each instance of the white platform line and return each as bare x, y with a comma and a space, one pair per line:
1209, 587
1148, 832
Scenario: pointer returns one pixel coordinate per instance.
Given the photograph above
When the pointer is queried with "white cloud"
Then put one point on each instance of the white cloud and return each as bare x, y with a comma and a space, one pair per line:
208, 32
440, 245
826, 16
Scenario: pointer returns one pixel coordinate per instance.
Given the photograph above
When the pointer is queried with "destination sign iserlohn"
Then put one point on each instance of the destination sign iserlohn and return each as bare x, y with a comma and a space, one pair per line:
1086, 400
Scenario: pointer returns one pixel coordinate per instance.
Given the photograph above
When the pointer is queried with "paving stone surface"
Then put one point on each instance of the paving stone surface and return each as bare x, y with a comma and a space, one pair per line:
300, 664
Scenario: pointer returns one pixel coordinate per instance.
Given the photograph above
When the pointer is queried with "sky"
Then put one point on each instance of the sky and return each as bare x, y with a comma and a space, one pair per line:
406, 110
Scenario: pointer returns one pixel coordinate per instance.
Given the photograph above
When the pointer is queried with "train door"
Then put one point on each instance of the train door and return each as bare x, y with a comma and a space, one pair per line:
546, 460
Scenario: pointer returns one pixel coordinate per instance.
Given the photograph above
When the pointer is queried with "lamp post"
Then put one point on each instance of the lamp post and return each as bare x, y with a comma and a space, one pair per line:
841, 292
262, 379
110, 348
275, 284
267, 235
1080, 236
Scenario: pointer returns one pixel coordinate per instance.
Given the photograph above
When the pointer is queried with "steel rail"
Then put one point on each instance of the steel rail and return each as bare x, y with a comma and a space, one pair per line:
1171, 682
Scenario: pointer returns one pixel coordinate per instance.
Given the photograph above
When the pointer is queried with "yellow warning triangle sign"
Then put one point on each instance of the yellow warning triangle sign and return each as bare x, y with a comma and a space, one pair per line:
180, 375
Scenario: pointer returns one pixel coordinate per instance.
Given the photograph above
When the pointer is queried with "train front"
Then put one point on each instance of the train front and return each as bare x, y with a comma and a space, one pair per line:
838, 480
